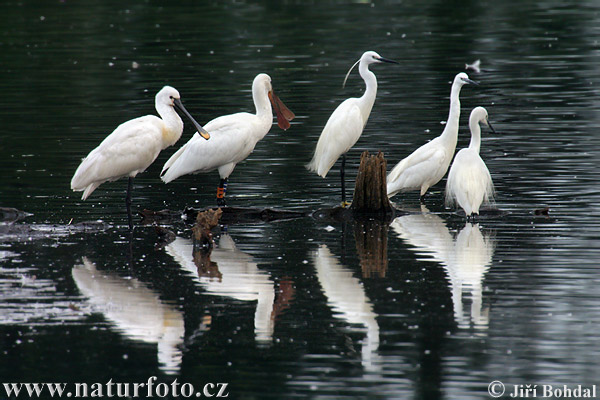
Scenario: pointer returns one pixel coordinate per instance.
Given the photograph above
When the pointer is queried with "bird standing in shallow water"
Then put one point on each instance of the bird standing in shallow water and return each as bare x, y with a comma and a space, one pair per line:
428, 164
233, 138
469, 182
346, 123
133, 146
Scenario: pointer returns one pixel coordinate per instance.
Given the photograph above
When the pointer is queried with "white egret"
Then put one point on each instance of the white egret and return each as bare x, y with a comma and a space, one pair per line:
233, 138
428, 164
346, 123
133, 146
469, 182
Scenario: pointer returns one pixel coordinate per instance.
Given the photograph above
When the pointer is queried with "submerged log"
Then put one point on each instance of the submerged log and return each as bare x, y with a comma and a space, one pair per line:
370, 191
10, 215
230, 216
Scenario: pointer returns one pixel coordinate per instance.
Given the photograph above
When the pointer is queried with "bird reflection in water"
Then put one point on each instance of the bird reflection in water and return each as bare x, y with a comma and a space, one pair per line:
466, 259
227, 271
136, 310
346, 296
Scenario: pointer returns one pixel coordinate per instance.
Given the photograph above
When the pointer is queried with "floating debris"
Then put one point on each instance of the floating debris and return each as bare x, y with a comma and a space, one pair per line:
476, 66
542, 211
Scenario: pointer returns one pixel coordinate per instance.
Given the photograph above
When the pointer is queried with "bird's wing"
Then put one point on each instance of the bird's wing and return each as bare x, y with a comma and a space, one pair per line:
423, 164
230, 142
469, 180
342, 131
128, 150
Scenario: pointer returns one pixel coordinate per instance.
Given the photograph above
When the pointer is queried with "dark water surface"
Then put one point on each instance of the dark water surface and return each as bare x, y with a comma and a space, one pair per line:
303, 308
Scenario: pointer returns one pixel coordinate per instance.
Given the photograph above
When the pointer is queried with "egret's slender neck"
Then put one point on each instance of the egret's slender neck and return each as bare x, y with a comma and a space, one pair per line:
451, 130
368, 98
475, 135
173, 125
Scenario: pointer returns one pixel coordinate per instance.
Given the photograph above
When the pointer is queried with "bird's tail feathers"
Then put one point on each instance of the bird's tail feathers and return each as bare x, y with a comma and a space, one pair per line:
314, 166
450, 199
167, 174
89, 189
396, 171
311, 166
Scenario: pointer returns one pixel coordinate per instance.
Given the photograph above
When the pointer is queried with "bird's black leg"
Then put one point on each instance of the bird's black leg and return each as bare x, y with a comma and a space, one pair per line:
342, 175
128, 202
221, 190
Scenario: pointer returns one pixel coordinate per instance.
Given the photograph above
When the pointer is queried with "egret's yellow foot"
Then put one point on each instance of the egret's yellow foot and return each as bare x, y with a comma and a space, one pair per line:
345, 204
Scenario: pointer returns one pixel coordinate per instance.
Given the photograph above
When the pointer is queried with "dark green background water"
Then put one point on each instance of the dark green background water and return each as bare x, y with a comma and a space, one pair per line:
296, 309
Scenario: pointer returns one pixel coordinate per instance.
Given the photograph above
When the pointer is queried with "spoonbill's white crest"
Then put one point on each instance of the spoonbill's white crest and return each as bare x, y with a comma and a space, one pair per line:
469, 182
428, 164
346, 123
233, 138
133, 146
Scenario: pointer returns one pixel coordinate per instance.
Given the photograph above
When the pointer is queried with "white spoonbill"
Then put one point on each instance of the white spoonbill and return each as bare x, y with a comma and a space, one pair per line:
469, 182
233, 138
133, 146
428, 164
346, 123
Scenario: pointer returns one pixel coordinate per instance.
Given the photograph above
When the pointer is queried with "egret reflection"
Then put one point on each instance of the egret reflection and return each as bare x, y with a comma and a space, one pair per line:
135, 309
465, 258
227, 271
346, 296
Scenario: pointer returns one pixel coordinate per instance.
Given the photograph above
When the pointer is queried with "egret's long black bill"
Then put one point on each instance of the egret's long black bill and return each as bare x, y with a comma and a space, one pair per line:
491, 127
387, 60
179, 106
472, 82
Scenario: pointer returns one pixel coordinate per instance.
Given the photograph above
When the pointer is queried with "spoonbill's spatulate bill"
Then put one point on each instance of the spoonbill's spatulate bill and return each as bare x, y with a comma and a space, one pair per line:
469, 181
428, 164
346, 123
133, 146
233, 138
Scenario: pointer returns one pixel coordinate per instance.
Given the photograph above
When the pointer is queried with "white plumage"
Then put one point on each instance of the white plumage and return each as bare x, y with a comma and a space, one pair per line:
134, 145
428, 164
137, 311
469, 181
233, 137
346, 123
237, 277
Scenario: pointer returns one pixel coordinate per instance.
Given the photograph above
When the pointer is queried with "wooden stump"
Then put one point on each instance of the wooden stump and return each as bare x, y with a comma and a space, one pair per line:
205, 221
370, 191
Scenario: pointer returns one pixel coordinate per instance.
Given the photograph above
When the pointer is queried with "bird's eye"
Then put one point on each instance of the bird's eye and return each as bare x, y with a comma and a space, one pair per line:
171, 97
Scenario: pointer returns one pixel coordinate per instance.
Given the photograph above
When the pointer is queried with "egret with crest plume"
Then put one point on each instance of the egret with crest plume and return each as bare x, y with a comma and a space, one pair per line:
346, 123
